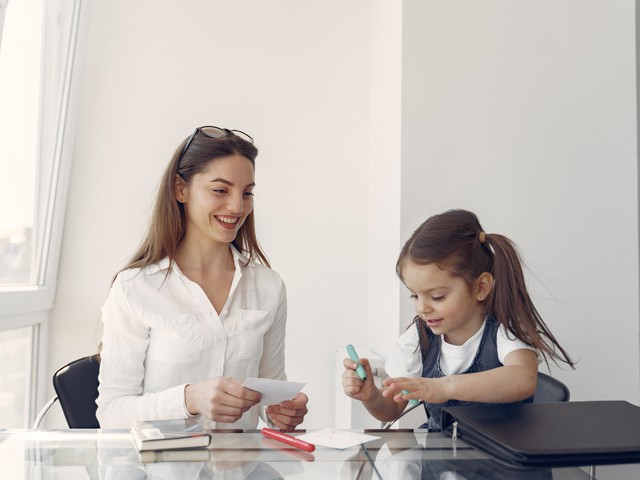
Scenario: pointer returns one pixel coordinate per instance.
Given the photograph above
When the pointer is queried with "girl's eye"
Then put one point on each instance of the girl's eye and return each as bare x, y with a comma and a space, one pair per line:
248, 194
219, 190
438, 299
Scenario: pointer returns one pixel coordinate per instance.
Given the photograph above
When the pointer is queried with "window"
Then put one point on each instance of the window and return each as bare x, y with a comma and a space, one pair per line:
37, 50
19, 95
15, 379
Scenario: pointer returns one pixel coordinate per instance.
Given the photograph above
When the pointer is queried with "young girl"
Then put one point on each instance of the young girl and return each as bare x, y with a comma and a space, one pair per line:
193, 314
477, 336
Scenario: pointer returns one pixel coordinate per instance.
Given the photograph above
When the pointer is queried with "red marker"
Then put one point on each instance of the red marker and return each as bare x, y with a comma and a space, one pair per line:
288, 439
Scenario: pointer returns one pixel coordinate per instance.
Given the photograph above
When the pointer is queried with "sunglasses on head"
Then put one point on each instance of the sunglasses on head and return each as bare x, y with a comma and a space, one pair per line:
215, 132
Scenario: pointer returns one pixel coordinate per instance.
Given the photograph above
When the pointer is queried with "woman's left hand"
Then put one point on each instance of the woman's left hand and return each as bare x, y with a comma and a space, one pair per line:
289, 414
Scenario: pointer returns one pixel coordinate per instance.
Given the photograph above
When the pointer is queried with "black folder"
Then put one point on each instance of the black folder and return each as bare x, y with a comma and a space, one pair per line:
551, 434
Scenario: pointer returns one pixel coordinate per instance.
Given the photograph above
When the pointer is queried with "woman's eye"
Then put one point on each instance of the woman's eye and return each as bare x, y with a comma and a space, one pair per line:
248, 194
219, 190
438, 299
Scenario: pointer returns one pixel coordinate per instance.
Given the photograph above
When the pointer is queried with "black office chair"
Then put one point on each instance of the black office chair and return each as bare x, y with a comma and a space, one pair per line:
76, 386
550, 389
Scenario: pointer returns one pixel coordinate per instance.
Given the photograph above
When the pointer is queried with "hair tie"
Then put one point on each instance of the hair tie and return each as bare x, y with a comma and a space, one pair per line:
482, 237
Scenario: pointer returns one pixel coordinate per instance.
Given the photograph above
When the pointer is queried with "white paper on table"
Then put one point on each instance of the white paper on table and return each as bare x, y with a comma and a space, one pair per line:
273, 391
330, 437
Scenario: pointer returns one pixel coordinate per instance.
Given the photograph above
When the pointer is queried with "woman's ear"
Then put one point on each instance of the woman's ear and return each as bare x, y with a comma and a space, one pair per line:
178, 188
482, 286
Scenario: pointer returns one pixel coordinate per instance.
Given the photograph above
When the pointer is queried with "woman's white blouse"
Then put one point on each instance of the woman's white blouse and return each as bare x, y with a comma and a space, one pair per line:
161, 333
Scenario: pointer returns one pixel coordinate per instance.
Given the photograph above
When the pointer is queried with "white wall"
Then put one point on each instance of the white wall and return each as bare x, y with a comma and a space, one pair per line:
525, 112
385, 160
292, 74
371, 116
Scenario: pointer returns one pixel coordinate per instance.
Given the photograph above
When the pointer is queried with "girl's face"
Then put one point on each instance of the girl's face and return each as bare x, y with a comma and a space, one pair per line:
218, 199
446, 302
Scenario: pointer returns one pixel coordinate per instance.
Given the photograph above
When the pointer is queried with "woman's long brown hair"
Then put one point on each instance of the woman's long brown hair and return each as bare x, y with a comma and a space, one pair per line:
167, 225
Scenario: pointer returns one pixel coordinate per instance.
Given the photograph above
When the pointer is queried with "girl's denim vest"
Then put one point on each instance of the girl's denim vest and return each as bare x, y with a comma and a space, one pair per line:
486, 358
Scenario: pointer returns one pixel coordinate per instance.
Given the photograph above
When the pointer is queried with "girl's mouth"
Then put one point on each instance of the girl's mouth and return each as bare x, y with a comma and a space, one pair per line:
434, 323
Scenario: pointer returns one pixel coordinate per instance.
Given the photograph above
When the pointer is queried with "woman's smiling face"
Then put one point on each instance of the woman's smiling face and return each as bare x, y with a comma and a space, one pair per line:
218, 200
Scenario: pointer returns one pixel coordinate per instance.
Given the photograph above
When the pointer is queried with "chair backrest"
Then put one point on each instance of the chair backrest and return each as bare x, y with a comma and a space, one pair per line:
550, 389
76, 385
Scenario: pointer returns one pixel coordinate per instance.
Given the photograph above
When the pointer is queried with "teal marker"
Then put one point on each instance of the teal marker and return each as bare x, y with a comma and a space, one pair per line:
413, 401
354, 356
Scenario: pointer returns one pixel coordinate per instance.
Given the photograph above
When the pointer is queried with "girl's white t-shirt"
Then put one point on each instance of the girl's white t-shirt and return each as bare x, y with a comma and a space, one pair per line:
406, 360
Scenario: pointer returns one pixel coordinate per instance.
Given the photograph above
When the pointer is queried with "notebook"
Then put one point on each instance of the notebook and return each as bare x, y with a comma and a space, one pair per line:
169, 434
551, 434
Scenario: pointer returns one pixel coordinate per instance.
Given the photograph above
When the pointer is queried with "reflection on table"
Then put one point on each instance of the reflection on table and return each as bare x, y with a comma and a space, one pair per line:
106, 455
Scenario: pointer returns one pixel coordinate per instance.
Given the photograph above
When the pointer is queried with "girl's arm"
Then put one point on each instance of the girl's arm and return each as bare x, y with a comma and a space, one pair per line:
515, 381
383, 408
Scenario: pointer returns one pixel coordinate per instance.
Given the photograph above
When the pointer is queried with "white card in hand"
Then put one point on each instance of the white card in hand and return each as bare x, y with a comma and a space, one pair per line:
273, 391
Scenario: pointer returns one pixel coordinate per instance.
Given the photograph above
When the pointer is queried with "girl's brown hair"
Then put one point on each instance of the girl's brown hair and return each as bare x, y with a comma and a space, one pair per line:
455, 241
167, 225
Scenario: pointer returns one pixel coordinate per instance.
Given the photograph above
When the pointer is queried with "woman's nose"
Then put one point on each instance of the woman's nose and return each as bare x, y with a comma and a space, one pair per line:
236, 204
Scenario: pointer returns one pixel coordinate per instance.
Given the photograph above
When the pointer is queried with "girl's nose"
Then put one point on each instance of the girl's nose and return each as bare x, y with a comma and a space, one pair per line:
423, 307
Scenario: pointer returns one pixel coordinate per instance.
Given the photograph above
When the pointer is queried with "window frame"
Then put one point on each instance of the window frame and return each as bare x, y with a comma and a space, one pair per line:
3, 8
30, 305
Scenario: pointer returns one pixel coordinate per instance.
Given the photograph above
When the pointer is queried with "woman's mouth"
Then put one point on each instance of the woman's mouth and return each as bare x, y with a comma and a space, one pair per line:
227, 222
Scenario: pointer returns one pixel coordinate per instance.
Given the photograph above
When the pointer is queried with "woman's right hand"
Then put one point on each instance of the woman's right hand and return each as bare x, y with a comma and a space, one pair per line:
353, 386
222, 400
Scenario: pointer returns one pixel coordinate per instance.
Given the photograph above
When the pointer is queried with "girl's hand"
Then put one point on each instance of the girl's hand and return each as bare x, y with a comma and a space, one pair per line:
512, 382
222, 400
353, 386
431, 390
289, 414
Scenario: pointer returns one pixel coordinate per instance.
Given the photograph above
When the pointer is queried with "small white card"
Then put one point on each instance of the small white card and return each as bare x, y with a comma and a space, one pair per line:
273, 391
330, 437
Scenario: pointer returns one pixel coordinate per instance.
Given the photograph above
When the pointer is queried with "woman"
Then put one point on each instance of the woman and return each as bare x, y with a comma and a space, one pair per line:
193, 313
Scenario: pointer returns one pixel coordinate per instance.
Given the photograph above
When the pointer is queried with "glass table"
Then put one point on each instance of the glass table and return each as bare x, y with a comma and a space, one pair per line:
397, 454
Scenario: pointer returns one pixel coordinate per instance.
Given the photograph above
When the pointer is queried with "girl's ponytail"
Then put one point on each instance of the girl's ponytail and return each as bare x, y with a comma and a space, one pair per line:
510, 303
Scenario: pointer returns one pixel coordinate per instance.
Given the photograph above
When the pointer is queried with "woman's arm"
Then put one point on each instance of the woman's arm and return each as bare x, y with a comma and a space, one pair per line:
223, 400
125, 341
515, 381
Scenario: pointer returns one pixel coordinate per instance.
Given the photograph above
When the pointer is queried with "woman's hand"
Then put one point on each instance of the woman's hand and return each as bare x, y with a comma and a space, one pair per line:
222, 400
353, 386
289, 414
